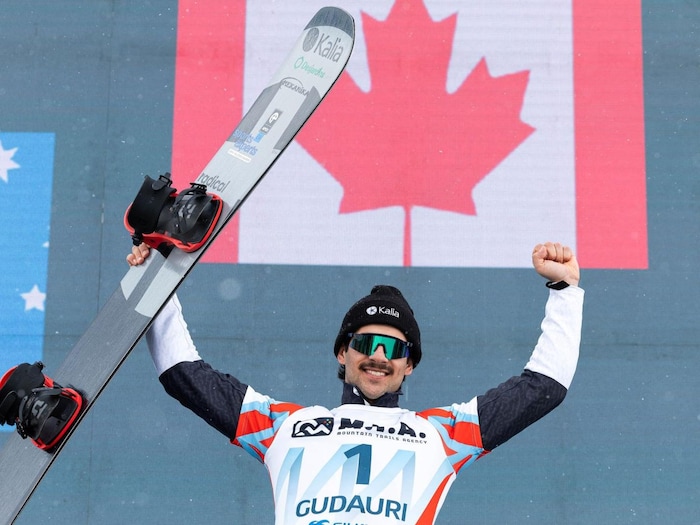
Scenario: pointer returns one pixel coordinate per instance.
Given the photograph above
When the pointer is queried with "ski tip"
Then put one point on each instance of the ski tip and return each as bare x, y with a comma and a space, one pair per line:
334, 17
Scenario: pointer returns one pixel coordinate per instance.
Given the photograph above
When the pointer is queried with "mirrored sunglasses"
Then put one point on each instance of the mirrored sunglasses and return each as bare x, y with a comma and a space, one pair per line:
368, 343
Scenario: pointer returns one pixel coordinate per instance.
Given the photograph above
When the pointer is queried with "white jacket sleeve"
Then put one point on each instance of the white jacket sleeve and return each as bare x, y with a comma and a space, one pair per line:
557, 350
169, 340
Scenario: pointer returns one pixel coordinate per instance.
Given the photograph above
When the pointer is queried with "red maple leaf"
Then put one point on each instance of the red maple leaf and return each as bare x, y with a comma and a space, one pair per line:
408, 142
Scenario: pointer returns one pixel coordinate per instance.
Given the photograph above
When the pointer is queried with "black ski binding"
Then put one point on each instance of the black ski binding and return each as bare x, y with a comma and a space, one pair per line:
160, 216
40, 408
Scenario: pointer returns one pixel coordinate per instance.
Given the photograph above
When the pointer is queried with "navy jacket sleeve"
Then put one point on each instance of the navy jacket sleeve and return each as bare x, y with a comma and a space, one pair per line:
509, 408
214, 396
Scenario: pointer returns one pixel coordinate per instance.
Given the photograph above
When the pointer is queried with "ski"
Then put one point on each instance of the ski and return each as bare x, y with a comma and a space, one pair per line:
231, 175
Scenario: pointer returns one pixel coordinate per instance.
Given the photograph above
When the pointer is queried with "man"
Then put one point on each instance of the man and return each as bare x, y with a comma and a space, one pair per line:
369, 461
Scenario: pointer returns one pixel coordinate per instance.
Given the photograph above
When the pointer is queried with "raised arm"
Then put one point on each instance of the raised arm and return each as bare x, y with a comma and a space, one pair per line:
514, 405
214, 396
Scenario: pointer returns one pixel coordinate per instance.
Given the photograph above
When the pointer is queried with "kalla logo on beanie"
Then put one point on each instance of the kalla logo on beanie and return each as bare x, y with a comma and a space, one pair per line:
374, 310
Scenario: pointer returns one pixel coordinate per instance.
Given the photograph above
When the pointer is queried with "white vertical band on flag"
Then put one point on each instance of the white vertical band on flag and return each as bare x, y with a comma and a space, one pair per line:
293, 217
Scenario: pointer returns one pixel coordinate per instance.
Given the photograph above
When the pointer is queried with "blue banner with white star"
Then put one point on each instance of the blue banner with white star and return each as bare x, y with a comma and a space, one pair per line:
26, 174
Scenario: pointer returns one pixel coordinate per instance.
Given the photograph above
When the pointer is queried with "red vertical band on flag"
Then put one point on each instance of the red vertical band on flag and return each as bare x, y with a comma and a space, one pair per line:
208, 95
609, 116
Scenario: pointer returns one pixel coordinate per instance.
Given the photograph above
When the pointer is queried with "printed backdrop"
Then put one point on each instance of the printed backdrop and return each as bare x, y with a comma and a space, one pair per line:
461, 133
26, 173
99, 82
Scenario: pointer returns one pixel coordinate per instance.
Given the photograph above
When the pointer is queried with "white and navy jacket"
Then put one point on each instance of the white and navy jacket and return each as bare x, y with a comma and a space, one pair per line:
368, 464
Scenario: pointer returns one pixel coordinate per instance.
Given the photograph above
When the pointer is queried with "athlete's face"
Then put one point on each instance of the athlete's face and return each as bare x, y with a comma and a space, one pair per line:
375, 375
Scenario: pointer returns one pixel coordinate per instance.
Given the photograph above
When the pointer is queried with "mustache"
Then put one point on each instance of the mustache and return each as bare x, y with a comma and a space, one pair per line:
376, 365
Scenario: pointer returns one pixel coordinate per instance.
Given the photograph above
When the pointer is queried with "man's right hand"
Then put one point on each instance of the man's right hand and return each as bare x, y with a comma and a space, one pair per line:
138, 254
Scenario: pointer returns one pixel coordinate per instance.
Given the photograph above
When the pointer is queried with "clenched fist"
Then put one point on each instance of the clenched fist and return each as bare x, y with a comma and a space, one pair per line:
556, 263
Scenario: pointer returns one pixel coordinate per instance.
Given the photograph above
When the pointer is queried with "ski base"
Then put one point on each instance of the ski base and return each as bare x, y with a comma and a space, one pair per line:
272, 122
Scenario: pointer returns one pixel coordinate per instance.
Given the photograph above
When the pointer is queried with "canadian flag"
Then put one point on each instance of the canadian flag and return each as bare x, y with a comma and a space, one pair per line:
460, 135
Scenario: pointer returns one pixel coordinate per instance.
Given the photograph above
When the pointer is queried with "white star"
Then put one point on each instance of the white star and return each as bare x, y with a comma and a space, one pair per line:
6, 162
34, 299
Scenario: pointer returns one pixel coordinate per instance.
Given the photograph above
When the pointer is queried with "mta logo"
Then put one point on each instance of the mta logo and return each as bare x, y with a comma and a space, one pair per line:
321, 426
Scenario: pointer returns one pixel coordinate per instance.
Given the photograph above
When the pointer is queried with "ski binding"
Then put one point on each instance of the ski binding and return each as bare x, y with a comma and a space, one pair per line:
40, 408
160, 216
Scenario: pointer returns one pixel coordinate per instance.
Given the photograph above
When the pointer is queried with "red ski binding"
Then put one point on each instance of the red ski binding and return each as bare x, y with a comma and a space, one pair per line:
42, 410
160, 216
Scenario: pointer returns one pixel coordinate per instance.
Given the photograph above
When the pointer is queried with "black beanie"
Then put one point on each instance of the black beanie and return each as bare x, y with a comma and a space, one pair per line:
384, 305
